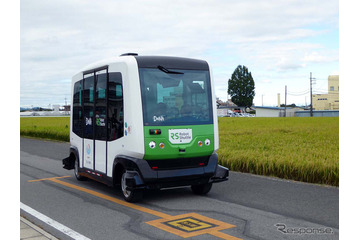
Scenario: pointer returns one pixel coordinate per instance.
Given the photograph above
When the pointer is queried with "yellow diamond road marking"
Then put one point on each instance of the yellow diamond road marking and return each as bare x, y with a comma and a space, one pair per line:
189, 224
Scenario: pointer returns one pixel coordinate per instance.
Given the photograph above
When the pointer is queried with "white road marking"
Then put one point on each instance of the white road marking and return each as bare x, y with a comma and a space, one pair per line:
71, 233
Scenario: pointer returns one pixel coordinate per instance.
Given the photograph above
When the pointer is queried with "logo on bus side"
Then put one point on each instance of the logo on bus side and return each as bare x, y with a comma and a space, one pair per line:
100, 121
158, 118
88, 149
174, 136
88, 121
177, 136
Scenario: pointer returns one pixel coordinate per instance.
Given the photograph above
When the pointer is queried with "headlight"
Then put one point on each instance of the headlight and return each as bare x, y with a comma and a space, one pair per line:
152, 144
207, 142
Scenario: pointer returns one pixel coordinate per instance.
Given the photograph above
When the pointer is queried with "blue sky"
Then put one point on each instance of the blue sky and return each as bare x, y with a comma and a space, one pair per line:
280, 41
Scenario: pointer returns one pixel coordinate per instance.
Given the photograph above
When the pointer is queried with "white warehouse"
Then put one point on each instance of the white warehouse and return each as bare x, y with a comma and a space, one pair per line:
276, 111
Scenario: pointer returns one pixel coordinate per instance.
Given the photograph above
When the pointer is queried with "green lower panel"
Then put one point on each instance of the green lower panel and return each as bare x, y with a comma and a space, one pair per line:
172, 135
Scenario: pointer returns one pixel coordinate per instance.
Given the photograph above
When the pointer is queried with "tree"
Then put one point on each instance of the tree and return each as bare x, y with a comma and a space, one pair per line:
241, 87
292, 105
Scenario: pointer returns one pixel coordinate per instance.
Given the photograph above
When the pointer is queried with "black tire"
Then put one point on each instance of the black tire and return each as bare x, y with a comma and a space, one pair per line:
201, 189
129, 195
76, 171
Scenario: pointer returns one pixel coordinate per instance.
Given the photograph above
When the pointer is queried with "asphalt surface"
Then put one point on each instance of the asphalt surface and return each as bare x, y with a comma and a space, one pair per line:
252, 205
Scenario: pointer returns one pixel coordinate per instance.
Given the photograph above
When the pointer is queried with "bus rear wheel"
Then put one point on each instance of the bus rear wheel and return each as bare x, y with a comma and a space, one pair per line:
129, 195
201, 189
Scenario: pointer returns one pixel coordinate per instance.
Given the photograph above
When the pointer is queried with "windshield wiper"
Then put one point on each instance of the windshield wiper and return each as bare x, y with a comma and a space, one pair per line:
165, 70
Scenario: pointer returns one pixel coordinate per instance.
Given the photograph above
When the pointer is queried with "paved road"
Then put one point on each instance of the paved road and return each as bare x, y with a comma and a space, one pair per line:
245, 207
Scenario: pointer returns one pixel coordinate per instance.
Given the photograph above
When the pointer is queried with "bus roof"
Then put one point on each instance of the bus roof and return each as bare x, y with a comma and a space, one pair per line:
153, 62
171, 62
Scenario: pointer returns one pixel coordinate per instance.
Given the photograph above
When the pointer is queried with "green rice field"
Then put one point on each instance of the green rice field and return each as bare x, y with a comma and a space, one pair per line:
56, 128
302, 149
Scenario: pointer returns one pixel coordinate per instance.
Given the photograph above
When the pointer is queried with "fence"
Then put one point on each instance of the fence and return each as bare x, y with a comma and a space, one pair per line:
324, 113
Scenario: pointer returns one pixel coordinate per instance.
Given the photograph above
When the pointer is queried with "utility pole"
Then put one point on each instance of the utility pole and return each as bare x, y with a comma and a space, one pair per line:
285, 99
311, 102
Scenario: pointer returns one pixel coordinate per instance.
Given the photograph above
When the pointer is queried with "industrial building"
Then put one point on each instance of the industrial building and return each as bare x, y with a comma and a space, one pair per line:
329, 101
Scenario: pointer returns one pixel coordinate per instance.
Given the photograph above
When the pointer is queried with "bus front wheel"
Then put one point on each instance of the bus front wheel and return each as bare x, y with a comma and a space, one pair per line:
130, 195
76, 170
201, 189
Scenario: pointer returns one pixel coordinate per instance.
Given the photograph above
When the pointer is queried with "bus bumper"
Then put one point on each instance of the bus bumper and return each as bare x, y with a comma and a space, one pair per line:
145, 177
221, 174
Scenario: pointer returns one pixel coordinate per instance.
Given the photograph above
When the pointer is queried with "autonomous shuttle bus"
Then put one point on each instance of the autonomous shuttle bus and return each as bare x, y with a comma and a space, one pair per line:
145, 122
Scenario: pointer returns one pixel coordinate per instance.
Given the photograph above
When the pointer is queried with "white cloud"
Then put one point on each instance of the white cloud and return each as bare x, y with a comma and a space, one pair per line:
286, 64
321, 57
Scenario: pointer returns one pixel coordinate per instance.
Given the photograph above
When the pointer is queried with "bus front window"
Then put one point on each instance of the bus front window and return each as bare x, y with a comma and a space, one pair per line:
175, 97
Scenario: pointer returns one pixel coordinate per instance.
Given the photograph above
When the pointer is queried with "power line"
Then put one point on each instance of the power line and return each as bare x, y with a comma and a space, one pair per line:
306, 90
303, 90
300, 94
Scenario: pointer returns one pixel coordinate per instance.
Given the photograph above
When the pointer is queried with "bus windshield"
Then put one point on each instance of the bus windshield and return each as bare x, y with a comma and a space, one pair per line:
175, 96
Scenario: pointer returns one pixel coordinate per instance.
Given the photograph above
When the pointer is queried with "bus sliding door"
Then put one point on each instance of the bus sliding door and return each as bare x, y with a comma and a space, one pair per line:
95, 111
88, 140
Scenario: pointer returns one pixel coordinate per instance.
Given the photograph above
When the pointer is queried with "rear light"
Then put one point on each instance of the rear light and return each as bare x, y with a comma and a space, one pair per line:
154, 168
201, 164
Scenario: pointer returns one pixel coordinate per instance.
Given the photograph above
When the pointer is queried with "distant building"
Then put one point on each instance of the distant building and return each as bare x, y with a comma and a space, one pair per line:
276, 111
224, 108
269, 111
228, 103
329, 101
67, 108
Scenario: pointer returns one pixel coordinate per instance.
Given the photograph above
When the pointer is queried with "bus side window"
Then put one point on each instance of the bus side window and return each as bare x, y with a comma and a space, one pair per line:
115, 107
89, 106
100, 106
77, 109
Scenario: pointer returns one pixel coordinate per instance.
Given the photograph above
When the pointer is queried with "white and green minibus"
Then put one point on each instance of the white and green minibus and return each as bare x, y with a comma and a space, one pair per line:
145, 122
